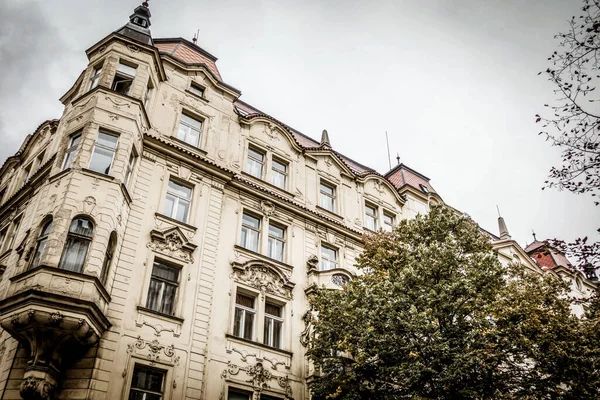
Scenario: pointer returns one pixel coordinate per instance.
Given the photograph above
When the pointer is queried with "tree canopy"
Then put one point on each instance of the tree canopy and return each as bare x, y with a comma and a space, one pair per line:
434, 315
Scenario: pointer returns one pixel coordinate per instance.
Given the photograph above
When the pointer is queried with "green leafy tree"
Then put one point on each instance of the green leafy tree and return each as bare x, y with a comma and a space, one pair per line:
434, 315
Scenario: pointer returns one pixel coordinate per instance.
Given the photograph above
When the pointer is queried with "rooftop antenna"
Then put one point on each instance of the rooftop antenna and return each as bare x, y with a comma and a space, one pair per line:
398, 158
388, 149
498, 208
195, 39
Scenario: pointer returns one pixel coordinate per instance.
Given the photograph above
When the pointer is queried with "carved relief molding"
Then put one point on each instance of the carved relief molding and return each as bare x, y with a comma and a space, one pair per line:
172, 242
259, 378
264, 277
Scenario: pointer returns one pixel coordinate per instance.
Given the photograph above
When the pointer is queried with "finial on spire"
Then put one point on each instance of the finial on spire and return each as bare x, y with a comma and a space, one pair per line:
145, 3
533, 233
325, 139
195, 39
502, 226
398, 158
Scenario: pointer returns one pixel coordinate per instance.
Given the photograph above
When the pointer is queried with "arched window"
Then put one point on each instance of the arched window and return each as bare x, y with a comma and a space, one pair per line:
110, 251
77, 245
41, 244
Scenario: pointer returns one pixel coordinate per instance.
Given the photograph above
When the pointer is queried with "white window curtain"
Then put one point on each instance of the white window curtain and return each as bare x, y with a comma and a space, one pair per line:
41, 244
77, 245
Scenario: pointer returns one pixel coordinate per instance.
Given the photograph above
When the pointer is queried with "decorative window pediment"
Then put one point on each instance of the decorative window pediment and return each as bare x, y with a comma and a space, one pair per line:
264, 277
172, 242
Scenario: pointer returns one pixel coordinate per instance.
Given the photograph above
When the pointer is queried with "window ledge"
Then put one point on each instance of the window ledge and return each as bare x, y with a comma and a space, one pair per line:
258, 344
188, 146
59, 175
279, 190
204, 99
262, 257
330, 213
147, 311
98, 175
176, 222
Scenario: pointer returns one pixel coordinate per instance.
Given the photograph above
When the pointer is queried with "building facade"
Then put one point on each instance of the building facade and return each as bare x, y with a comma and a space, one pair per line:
159, 240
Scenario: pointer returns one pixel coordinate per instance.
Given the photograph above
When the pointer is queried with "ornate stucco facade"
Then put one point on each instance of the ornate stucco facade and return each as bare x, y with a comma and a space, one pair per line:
160, 238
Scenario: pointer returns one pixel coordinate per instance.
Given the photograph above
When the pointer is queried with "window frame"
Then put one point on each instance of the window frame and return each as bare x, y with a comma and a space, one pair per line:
197, 89
273, 238
199, 130
88, 239
258, 231
373, 217
244, 311
96, 73
177, 285
274, 171
173, 213
41, 240
270, 337
4, 237
129, 168
106, 148
164, 387
332, 196
335, 263
392, 221
262, 162
124, 75
71, 150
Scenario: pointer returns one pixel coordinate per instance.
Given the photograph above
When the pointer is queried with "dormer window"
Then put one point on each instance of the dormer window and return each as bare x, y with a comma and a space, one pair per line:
196, 89
123, 79
424, 188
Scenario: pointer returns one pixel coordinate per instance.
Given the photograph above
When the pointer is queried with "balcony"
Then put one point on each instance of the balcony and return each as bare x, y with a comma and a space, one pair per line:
56, 315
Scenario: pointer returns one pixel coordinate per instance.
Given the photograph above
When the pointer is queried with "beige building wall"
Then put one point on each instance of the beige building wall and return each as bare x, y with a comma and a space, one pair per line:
195, 346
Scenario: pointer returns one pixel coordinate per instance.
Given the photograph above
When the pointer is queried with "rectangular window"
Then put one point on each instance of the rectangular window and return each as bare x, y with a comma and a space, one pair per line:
123, 79
255, 163
370, 217
26, 173
95, 79
197, 90
279, 172
327, 197
234, 394
13, 233
40, 160
71, 151
190, 130
243, 321
388, 222
177, 203
3, 235
276, 242
147, 383
273, 325
250, 237
129, 170
104, 152
329, 258
163, 288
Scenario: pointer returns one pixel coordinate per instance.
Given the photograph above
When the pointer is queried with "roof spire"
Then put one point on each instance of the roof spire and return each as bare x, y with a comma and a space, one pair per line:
502, 226
398, 158
325, 139
138, 27
533, 233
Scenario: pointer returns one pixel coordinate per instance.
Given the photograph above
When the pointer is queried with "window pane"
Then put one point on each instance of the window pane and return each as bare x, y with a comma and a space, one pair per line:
168, 303
278, 179
194, 123
169, 204
255, 155
237, 322
280, 167
182, 210
75, 140
197, 90
74, 254
107, 140
254, 168
273, 309
326, 202
276, 249
165, 272
249, 323
326, 189
154, 291
126, 69
145, 378
38, 253
370, 223
250, 239
82, 227
243, 300
234, 395
180, 190
276, 231
101, 160
249, 220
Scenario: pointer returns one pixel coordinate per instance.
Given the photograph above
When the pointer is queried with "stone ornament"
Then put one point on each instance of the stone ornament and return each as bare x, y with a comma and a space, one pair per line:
37, 388
264, 277
173, 243
154, 350
259, 378
267, 208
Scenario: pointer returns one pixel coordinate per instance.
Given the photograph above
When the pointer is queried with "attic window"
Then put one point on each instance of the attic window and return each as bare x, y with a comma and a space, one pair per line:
424, 188
123, 79
197, 89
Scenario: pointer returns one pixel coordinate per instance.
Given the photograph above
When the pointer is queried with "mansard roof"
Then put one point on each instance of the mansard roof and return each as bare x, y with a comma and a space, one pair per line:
189, 53
402, 175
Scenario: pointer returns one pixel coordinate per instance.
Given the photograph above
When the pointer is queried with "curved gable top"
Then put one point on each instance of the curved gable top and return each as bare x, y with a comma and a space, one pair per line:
27, 143
376, 177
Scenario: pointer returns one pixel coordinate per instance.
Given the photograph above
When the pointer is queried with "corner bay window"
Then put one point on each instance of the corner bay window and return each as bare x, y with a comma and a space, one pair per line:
104, 152
71, 151
276, 242
177, 202
147, 383
327, 196
250, 232
163, 288
190, 130
123, 79
370, 217
329, 258
279, 173
255, 163
77, 244
41, 244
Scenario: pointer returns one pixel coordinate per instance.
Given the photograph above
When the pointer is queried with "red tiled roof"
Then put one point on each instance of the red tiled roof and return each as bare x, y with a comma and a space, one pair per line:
546, 256
402, 175
189, 53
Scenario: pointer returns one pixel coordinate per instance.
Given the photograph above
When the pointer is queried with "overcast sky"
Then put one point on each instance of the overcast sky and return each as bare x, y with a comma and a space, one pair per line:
453, 82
